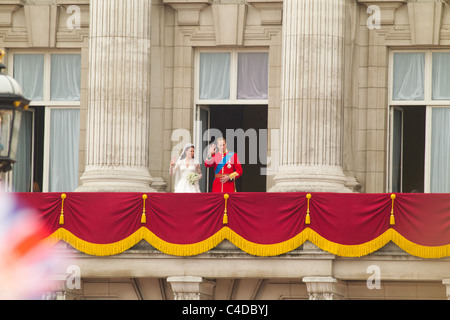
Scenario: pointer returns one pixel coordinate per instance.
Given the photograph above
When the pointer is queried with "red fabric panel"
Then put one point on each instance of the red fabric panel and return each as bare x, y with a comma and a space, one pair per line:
350, 219
184, 218
102, 217
423, 218
263, 218
267, 218
46, 205
93, 217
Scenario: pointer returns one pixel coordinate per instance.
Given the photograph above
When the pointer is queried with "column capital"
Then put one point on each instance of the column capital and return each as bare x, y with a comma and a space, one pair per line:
324, 288
191, 288
446, 283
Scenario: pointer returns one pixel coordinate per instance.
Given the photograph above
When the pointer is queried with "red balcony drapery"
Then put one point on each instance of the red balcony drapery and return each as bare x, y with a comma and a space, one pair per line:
262, 224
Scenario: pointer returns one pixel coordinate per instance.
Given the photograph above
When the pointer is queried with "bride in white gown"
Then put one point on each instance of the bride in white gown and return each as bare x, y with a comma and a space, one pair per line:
186, 170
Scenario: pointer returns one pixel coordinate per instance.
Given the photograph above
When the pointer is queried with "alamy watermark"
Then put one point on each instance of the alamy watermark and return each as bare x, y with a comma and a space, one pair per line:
73, 280
374, 20
72, 277
374, 280
250, 145
74, 20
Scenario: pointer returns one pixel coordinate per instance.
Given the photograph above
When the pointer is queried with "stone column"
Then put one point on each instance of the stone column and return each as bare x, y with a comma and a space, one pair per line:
446, 283
191, 288
324, 288
118, 112
312, 97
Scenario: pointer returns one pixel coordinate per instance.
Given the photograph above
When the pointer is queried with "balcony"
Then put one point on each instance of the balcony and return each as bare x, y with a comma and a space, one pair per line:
259, 224
266, 240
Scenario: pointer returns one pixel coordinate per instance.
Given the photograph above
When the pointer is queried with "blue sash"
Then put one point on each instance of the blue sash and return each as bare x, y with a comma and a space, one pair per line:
223, 162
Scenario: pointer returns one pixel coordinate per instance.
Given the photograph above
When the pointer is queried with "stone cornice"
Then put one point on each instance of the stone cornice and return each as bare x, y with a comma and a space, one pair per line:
188, 10
7, 8
271, 11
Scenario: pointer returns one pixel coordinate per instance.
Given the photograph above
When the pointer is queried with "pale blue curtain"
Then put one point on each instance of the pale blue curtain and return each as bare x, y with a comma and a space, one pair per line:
6, 121
409, 76
253, 75
440, 151
214, 76
29, 73
441, 76
21, 178
64, 149
65, 77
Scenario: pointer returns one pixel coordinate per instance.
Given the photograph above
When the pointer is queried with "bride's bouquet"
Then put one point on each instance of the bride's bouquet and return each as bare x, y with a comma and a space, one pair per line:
193, 177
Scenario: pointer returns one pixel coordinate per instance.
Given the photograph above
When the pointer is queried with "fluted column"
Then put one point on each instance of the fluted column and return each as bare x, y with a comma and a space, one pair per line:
119, 97
312, 97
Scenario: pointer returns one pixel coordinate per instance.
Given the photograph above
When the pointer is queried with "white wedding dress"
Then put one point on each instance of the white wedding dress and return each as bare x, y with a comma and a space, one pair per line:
182, 172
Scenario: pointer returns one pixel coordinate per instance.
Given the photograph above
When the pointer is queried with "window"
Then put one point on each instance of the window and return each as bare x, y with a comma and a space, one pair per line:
232, 77
419, 101
214, 76
63, 149
49, 136
409, 79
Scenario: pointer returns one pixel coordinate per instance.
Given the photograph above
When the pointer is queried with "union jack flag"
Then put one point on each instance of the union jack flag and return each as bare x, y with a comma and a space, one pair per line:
26, 262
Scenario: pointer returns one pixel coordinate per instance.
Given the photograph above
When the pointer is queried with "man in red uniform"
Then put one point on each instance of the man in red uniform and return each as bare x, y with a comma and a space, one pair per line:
227, 167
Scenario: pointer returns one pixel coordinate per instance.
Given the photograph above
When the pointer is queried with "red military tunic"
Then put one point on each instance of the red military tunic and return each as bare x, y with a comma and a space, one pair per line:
225, 164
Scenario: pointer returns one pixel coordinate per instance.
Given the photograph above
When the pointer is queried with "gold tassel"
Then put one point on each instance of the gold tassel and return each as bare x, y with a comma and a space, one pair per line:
225, 219
61, 216
392, 218
143, 217
225, 216
308, 218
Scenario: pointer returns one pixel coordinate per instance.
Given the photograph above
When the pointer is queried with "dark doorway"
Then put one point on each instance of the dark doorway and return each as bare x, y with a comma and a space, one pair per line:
245, 128
408, 159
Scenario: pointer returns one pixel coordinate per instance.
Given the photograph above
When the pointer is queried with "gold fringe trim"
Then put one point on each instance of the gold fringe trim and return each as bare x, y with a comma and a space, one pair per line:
249, 247
265, 250
349, 250
96, 249
427, 252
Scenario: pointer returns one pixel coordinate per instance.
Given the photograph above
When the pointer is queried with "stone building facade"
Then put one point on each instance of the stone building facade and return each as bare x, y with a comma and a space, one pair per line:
328, 119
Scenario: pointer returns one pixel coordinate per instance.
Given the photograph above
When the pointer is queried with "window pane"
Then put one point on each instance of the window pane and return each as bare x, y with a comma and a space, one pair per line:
214, 76
29, 73
441, 76
397, 151
408, 157
6, 123
22, 168
408, 76
64, 144
65, 77
253, 75
440, 151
